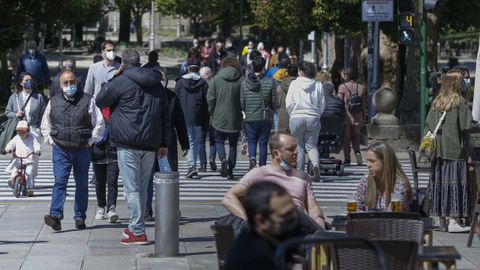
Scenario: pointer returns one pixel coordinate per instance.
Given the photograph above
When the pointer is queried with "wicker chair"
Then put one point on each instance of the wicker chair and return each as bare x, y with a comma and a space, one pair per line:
402, 231
224, 237
348, 252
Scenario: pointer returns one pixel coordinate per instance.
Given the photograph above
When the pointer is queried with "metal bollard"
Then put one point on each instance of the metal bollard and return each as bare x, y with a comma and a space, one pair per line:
166, 214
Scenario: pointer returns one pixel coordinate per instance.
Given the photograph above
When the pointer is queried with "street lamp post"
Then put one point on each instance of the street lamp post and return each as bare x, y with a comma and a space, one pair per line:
152, 26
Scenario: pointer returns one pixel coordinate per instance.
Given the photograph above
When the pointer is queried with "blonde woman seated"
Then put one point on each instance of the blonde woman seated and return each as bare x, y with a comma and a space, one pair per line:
385, 177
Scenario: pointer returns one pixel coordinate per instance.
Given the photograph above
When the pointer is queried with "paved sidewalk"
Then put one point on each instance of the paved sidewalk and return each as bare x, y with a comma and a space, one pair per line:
26, 243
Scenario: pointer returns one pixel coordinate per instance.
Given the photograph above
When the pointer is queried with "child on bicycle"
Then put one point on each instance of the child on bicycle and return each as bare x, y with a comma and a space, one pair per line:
24, 144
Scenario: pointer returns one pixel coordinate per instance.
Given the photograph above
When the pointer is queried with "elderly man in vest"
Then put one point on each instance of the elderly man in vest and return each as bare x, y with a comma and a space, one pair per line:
71, 124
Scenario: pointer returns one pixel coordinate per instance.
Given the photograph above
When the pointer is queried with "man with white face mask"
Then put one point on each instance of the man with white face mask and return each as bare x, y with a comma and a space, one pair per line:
282, 171
71, 124
101, 72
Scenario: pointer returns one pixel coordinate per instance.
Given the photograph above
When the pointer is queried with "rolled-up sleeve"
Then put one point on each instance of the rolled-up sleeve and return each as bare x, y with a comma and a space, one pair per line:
46, 126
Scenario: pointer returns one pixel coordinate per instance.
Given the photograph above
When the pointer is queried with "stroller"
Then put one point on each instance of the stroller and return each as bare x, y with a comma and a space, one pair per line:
330, 139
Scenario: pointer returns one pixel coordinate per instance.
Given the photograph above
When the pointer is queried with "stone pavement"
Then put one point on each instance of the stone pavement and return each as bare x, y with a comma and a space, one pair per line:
26, 243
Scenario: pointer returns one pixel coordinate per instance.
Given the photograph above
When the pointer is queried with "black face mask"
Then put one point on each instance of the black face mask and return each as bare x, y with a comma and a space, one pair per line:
288, 229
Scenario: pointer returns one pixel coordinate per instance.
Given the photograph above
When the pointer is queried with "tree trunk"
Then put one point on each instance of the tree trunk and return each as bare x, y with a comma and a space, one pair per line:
5, 78
124, 31
138, 25
78, 32
226, 22
409, 108
195, 26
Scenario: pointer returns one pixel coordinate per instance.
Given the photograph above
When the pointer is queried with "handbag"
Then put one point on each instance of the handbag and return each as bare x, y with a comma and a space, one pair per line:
420, 202
10, 126
267, 111
428, 146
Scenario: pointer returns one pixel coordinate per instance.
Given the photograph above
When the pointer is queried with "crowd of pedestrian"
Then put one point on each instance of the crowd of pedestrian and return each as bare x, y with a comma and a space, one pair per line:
123, 119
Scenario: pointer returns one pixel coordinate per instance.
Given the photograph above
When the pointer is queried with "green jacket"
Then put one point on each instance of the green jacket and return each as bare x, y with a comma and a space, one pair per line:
452, 135
223, 98
251, 98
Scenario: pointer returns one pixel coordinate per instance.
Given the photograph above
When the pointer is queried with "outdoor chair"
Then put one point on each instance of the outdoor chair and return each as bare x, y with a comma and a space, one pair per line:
417, 167
387, 228
224, 237
346, 252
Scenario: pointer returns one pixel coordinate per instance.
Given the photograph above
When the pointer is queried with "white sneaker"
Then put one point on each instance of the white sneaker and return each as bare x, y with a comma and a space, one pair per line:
100, 213
454, 227
112, 215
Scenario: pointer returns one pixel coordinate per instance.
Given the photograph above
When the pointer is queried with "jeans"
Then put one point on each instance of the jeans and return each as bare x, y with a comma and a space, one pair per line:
136, 169
258, 132
196, 139
220, 138
106, 176
306, 131
63, 161
164, 167
211, 141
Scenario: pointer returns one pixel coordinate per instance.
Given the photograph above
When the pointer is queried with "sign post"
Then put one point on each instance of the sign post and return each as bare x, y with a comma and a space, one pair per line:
375, 11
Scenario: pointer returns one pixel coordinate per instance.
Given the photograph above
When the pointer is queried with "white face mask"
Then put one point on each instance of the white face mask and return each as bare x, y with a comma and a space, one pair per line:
110, 55
31, 51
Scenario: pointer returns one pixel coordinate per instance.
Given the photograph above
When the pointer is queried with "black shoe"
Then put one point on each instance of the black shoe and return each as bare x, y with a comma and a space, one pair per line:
230, 175
213, 166
149, 215
316, 173
192, 172
202, 168
53, 222
253, 164
223, 168
80, 224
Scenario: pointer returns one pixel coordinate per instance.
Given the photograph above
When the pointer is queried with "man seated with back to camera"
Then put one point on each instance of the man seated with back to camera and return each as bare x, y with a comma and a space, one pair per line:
282, 171
272, 219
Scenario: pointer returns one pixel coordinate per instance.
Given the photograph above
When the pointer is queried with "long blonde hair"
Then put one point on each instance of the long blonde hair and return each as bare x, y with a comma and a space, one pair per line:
449, 94
392, 172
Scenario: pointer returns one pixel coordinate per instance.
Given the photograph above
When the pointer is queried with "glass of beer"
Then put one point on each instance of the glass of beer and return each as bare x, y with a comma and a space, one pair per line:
352, 203
396, 201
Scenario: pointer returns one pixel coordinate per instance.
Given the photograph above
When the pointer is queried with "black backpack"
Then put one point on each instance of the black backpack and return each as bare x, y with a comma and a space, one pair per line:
355, 101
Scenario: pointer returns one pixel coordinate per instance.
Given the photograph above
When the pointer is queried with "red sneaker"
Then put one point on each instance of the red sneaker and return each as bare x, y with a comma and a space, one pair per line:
132, 239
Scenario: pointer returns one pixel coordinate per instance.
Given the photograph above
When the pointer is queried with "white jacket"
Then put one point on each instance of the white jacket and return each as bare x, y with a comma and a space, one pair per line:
305, 98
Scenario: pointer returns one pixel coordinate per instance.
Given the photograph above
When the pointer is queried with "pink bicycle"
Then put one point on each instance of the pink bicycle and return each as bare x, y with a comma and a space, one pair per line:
19, 180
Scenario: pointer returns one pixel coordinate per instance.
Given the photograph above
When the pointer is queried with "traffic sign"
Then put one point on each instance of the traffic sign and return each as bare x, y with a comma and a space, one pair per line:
377, 10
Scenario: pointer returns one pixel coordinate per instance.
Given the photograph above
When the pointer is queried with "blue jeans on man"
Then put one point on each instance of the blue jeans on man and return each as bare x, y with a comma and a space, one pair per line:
196, 138
63, 162
258, 133
136, 169
220, 138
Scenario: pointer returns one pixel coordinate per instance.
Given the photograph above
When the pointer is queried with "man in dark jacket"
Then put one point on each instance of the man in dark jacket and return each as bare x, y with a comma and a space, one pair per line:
258, 98
139, 128
192, 92
223, 99
71, 124
34, 63
216, 57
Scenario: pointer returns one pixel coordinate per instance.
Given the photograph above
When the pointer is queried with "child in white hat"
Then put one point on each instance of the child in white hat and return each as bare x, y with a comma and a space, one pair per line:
23, 144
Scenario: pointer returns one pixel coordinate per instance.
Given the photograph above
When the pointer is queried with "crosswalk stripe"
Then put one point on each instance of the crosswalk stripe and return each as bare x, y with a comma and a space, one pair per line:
209, 187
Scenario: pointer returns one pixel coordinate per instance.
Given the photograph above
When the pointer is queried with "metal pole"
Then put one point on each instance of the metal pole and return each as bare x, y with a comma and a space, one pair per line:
423, 69
152, 26
166, 214
325, 50
375, 84
178, 26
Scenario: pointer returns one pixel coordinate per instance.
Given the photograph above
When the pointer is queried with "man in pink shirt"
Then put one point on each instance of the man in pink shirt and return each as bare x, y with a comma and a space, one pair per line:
282, 171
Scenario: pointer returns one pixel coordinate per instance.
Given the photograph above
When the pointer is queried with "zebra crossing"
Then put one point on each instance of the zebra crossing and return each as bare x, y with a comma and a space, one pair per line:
209, 187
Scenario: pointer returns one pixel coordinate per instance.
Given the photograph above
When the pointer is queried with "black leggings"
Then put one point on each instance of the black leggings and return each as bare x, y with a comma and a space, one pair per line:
106, 175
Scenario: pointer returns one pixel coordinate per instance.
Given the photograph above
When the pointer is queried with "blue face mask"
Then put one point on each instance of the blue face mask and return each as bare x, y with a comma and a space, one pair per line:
70, 90
285, 165
27, 85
